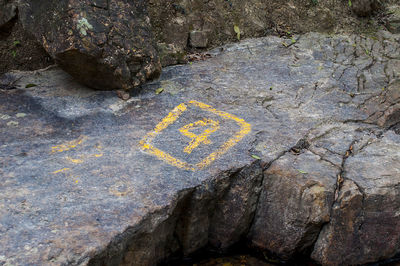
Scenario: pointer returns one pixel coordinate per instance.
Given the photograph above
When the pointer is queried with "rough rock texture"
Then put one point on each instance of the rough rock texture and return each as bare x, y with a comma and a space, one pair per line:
295, 202
198, 39
279, 132
365, 217
105, 45
174, 21
393, 19
8, 10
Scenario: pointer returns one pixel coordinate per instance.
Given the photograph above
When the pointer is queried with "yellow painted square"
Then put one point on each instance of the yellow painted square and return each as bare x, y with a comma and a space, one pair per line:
146, 145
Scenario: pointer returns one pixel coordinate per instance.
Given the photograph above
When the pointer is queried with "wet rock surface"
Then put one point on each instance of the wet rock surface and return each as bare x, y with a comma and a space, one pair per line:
281, 145
105, 45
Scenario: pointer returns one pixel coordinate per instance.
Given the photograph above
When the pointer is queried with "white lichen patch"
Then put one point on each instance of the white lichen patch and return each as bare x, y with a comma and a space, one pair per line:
20, 115
12, 124
83, 26
4, 117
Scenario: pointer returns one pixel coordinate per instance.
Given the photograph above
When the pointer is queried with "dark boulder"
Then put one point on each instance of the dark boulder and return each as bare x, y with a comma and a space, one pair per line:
8, 11
103, 44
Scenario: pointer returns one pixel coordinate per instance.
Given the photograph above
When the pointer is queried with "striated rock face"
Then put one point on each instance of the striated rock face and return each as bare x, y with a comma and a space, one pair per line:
294, 149
103, 44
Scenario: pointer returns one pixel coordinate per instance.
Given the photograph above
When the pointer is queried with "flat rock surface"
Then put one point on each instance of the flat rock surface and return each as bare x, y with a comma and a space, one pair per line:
88, 178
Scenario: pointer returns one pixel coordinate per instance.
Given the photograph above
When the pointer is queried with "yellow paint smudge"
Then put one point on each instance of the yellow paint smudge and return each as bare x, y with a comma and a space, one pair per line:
61, 170
67, 146
75, 161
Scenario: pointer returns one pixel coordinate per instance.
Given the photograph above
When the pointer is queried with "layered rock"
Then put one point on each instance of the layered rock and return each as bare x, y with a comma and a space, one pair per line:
105, 45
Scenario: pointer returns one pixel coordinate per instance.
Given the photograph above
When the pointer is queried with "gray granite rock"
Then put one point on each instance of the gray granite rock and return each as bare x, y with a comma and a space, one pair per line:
261, 139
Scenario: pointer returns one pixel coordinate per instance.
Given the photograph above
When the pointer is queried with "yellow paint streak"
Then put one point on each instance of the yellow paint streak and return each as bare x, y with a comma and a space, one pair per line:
67, 146
203, 137
98, 155
61, 170
75, 161
245, 128
168, 120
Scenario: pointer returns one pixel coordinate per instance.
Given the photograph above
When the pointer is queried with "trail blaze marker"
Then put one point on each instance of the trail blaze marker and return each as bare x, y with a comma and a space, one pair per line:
210, 126
202, 138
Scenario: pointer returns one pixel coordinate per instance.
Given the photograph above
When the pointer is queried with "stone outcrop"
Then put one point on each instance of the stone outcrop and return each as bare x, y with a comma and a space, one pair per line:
105, 45
294, 148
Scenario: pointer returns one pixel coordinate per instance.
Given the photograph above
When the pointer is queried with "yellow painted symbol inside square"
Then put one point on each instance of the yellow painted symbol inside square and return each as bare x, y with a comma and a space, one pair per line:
196, 139
203, 137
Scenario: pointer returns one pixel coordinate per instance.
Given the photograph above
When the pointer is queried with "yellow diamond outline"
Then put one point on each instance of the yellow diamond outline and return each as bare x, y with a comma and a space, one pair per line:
146, 145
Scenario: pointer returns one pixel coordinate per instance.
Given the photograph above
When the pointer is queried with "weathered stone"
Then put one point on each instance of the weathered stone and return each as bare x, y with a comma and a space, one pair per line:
365, 221
103, 45
81, 183
8, 10
393, 19
198, 39
384, 108
295, 202
170, 54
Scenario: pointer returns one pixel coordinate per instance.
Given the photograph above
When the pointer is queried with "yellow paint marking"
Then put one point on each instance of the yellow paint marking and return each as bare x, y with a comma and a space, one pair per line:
203, 137
67, 146
98, 155
75, 161
61, 170
146, 145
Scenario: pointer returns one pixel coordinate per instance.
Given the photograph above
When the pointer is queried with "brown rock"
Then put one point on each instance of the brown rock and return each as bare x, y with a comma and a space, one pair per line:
105, 45
365, 220
296, 198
